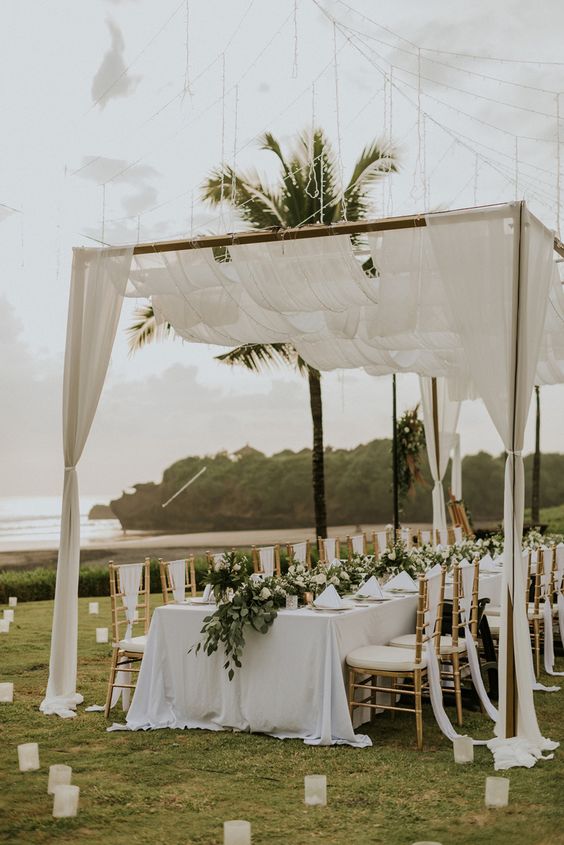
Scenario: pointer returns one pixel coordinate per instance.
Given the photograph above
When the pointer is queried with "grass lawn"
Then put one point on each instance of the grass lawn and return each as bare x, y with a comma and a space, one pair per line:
179, 786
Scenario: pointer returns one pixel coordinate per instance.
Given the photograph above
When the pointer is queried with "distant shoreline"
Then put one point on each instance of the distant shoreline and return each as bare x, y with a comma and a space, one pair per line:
133, 546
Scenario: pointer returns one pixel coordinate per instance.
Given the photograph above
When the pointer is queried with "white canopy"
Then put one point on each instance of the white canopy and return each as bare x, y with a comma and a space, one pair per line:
473, 296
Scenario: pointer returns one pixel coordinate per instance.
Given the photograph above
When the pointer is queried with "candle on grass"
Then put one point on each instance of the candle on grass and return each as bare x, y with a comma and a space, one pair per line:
237, 832
463, 748
12, 601
65, 801
101, 635
4, 626
28, 756
315, 790
6, 692
497, 792
59, 775
9, 614
93, 608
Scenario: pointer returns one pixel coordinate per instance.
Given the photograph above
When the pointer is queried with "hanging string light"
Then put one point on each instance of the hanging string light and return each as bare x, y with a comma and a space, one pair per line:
557, 98
187, 86
342, 199
222, 188
103, 235
390, 208
235, 142
516, 167
295, 62
312, 172
476, 167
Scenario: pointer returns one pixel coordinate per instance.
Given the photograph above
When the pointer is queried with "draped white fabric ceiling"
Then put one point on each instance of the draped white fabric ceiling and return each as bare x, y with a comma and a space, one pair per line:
314, 294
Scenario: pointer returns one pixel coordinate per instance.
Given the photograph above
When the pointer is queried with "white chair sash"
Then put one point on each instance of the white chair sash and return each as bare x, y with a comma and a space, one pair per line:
443, 536
467, 577
266, 558
426, 538
129, 581
300, 553
330, 549
382, 537
177, 572
457, 534
357, 543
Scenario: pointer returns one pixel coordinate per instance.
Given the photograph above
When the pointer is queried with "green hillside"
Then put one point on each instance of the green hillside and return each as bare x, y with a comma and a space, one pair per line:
250, 490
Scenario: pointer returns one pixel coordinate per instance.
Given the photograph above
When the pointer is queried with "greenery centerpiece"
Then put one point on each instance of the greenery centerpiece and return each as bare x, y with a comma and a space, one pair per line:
410, 446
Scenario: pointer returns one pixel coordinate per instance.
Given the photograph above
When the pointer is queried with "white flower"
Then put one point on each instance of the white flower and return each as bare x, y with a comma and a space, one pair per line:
265, 593
236, 567
320, 579
392, 556
335, 580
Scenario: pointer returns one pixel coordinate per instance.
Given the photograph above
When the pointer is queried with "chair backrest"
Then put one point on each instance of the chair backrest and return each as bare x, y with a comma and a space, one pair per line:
458, 535
329, 549
429, 610
404, 536
213, 558
357, 545
266, 560
559, 568
300, 553
130, 590
380, 541
424, 536
465, 599
442, 537
177, 576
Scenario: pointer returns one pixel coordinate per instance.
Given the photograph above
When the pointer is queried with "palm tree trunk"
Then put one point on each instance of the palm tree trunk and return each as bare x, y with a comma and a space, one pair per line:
535, 504
317, 455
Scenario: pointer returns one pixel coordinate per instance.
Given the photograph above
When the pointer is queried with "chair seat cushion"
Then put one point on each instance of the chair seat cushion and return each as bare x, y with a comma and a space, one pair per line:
134, 644
385, 658
495, 610
408, 641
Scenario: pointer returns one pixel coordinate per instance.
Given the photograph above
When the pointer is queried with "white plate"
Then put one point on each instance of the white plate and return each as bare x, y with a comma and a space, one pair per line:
345, 606
198, 600
373, 599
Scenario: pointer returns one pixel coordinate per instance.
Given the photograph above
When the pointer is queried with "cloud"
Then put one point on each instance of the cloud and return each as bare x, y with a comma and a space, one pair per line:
112, 79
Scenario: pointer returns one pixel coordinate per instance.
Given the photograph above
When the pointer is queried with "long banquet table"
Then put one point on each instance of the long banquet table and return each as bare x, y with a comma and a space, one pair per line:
292, 681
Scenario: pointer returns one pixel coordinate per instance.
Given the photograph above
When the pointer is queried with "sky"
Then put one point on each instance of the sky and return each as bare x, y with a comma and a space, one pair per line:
114, 111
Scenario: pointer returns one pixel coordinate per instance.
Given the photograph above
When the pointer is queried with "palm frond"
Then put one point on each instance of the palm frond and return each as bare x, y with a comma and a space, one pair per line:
257, 204
257, 356
146, 329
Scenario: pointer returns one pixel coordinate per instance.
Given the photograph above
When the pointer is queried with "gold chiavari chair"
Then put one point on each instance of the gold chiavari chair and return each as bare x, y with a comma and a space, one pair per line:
357, 544
300, 553
266, 560
329, 548
170, 570
130, 589
213, 558
404, 535
425, 537
405, 668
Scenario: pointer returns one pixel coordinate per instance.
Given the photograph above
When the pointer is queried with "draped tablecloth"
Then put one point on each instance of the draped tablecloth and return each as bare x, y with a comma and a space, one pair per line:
291, 684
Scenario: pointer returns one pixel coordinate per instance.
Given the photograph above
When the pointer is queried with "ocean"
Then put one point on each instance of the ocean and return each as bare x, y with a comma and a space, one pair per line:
37, 521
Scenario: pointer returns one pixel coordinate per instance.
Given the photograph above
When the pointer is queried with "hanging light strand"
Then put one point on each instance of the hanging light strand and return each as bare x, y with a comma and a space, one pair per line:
343, 201
295, 60
557, 98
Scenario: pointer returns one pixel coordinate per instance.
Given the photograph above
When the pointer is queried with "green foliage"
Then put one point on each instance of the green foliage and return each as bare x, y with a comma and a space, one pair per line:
410, 437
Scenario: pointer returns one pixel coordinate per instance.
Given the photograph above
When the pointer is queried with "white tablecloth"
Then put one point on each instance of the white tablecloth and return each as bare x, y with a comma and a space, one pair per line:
291, 684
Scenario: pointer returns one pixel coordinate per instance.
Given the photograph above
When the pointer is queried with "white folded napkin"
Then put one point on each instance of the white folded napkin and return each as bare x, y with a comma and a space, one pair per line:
208, 592
487, 564
329, 599
371, 588
402, 581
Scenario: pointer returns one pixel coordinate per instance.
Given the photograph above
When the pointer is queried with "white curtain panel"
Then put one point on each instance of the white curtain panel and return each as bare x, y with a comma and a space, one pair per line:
497, 267
98, 281
447, 418
456, 470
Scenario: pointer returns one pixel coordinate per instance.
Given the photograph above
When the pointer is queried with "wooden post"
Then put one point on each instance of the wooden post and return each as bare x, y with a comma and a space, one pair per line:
395, 479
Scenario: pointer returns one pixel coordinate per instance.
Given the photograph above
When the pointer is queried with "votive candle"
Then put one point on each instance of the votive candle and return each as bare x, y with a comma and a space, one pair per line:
463, 748
93, 608
237, 832
59, 775
9, 614
315, 790
65, 801
308, 598
6, 692
12, 601
4, 626
101, 635
497, 792
28, 756
292, 602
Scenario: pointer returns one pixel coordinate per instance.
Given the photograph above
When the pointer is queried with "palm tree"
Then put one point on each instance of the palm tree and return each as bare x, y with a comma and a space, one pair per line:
309, 190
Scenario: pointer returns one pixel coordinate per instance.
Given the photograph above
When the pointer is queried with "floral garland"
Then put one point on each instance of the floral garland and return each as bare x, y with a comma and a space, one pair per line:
410, 438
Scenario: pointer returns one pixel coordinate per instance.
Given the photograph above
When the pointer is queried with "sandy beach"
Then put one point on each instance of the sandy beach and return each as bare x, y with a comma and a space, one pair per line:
132, 546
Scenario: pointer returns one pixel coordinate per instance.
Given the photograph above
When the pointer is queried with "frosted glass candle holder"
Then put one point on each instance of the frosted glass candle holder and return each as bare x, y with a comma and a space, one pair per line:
4, 626
237, 832
463, 748
315, 787
9, 614
12, 601
65, 801
6, 692
93, 608
28, 756
292, 602
101, 635
497, 792
59, 775
426, 842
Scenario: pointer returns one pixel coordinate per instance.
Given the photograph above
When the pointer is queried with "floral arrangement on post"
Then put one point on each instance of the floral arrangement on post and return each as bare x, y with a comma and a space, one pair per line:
254, 604
410, 443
